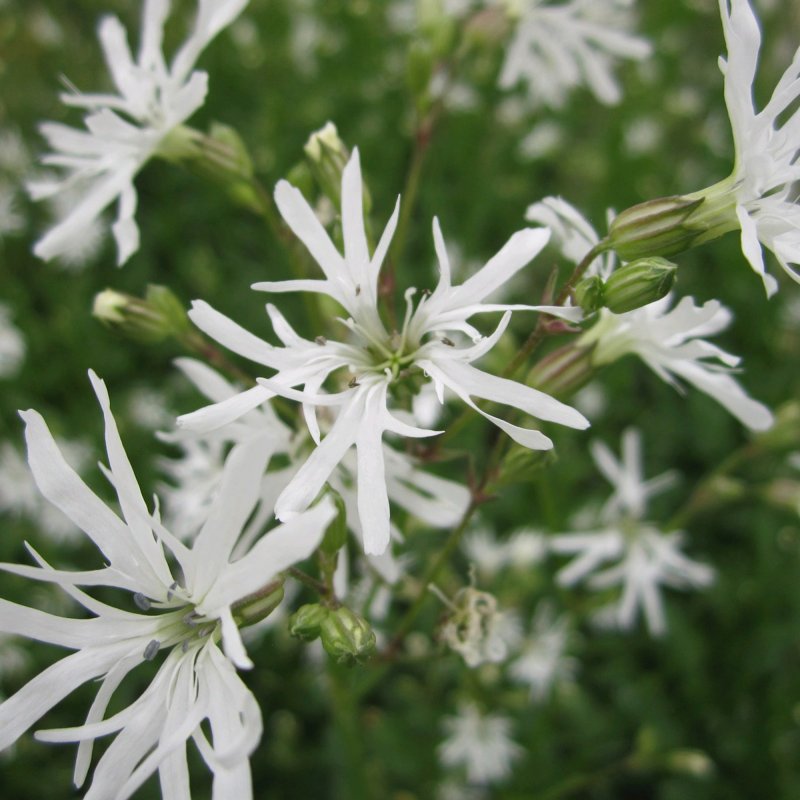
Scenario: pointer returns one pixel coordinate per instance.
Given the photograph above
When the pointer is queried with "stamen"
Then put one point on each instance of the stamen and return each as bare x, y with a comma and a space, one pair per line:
353, 382
171, 591
448, 342
151, 650
321, 341
141, 601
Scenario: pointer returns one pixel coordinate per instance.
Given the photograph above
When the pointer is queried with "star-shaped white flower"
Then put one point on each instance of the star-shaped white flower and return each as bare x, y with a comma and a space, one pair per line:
642, 558
479, 743
196, 599
670, 342
557, 47
124, 130
767, 143
375, 358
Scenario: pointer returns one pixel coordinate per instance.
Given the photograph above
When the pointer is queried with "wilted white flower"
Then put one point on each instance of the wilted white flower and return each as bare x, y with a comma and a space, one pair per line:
670, 342
543, 661
481, 744
124, 130
557, 47
642, 558
476, 629
376, 359
198, 600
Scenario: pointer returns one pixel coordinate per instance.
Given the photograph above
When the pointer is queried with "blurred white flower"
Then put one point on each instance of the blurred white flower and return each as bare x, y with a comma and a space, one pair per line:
481, 744
631, 491
642, 558
19, 495
543, 662
376, 359
571, 233
124, 130
12, 344
198, 598
669, 342
558, 47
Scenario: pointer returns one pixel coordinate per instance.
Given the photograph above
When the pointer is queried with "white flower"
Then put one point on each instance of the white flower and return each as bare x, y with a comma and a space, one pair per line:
196, 601
642, 557
12, 345
543, 661
670, 343
376, 359
125, 130
558, 47
480, 743
572, 233
766, 168
631, 491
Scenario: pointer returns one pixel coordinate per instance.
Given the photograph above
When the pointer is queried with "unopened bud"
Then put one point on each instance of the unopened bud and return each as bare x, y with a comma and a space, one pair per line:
564, 371
690, 762
219, 155
327, 156
522, 465
590, 294
669, 225
638, 284
436, 25
258, 606
346, 636
157, 316
785, 431
305, 622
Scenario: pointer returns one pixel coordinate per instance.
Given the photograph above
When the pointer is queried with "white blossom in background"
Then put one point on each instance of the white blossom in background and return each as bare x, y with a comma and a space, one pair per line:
543, 662
12, 344
480, 744
188, 604
124, 130
766, 167
375, 358
522, 550
557, 47
571, 233
20, 497
627, 551
632, 491
671, 342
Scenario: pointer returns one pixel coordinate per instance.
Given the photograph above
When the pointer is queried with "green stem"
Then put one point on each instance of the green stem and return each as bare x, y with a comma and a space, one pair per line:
353, 783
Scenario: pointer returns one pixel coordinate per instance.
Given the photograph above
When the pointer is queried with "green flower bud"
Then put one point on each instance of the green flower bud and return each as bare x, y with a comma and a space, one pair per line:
785, 431
669, 225
522, 465
327, 156
638, 284
259, 605
436, 25
305, 622
563, 371
690, 762
157, 316
590, 294
346, 636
